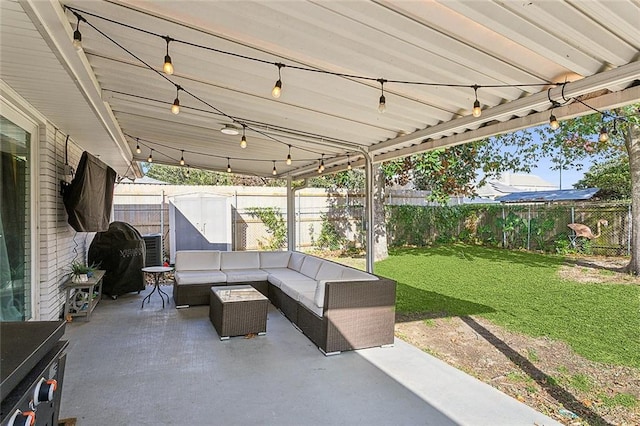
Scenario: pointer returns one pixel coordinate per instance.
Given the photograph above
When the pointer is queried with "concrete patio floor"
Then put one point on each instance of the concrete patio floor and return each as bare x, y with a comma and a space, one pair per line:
157, 366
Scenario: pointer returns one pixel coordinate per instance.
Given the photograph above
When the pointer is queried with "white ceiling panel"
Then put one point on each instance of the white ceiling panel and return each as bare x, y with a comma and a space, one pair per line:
431, 54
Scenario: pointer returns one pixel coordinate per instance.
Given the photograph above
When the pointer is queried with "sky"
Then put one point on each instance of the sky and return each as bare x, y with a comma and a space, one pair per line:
569, 177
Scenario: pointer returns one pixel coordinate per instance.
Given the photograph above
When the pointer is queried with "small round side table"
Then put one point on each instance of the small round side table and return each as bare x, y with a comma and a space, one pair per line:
156, 271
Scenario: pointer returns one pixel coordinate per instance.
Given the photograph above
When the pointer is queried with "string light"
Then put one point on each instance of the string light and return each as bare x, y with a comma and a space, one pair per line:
322, 163
77, 36
228, 165
289, 157
348, 163
175, 108
319, 169
274, 171
243, 141
604, 136
138, 150
382, 104
182, 157
277, 88
553, 121
168, 66
187, 172
477, 111
150, 159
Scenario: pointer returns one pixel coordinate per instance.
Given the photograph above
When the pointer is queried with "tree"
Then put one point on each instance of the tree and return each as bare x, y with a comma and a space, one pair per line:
177, 175
612, 177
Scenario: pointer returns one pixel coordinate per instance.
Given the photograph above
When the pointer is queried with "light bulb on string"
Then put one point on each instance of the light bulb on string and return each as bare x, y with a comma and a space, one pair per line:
182, 157
138, 150
322, 163
277, 88
553, 121
150, 158
243, 141
274, 171
77, 36
382, 103
168, 66
289, 157
604, 136
187, 172
228, 165
477, 111
175, 108
348, 163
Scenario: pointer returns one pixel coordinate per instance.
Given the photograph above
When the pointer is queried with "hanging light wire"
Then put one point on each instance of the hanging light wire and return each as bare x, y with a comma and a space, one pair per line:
228, 165
289, 160
308, 69
138, 150
182, 157
274, 171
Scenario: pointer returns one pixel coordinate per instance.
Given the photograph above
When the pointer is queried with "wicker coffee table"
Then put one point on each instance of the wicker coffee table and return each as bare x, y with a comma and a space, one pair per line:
238, 310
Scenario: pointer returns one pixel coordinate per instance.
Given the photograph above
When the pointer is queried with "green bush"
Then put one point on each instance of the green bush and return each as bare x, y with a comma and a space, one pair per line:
274, 221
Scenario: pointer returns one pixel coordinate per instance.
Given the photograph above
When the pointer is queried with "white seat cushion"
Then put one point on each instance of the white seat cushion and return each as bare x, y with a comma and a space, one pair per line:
245, 275
239, 260
294, 288
279, 275
307, 300
274, 259
199, 277
197, 260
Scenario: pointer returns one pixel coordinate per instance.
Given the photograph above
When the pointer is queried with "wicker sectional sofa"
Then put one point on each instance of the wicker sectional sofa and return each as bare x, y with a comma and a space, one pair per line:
337, 307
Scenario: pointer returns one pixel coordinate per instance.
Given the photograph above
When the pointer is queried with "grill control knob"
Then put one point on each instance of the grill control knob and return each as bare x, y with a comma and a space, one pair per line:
22, 418
44, 391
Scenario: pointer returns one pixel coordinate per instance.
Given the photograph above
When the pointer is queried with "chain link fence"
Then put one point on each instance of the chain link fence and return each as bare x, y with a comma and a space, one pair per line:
603, 229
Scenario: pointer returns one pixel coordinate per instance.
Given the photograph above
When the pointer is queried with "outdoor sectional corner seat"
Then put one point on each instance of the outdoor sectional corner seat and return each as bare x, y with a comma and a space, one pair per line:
337, 307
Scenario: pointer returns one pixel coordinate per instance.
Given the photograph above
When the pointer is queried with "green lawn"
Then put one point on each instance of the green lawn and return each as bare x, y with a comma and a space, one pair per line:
521, 291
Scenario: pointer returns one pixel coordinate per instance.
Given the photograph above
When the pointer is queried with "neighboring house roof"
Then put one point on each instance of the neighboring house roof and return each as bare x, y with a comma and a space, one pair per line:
514, 182
526, 181
546, 196
144, 180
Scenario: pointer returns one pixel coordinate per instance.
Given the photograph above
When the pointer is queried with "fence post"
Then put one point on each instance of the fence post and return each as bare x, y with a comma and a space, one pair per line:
529, 228
504, 234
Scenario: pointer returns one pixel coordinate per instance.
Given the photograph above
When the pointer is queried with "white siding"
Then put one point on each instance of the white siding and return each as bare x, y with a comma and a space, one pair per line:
59, 243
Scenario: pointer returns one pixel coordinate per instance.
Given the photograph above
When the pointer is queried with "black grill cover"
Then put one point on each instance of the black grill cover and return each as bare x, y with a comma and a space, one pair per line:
89, 197
120, 251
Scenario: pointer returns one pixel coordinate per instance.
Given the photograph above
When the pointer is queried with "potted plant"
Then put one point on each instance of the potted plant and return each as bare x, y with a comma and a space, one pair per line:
80, 272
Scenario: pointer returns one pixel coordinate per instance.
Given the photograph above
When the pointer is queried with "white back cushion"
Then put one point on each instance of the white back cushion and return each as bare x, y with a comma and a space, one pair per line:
310, 266
356, 275
274, 259
240, 260
329, 271
197, 260
295, 261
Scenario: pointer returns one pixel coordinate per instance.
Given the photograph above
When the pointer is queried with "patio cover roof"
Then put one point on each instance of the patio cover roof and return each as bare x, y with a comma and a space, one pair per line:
105, 97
